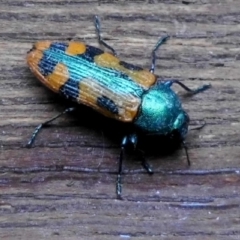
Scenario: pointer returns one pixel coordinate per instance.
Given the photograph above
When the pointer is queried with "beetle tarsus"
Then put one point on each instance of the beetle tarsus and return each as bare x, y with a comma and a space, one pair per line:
119, 186
119, 175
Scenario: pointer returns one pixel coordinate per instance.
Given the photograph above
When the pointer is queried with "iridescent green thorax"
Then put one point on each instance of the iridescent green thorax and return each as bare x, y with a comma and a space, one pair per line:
161, 112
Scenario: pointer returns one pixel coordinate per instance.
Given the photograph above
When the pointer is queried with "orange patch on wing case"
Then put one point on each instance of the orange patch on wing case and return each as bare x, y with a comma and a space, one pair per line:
54, 80
76, 48
33, 59
107, 60
58, 77
142, 77
90, 90
42, 45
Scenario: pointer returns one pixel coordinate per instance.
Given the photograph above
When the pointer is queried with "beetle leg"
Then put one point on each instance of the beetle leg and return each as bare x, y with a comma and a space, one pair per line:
192, 91
100, 40
42, 125
129, 140
159, 43
126, 141
186, 151
199, 127
145, 164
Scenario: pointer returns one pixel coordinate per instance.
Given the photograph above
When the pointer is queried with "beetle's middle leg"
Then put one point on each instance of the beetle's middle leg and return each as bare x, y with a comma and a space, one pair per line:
129, 140
100, 40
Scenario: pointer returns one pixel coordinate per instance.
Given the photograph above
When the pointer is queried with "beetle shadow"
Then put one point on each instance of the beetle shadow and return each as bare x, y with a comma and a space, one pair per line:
114, 131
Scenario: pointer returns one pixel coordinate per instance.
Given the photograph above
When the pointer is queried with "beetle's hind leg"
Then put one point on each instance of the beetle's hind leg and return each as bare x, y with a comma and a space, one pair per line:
100, 40
42, 125
191, 91
129, 140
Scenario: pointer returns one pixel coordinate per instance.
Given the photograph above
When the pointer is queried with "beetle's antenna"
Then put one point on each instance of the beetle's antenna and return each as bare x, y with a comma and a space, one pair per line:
186, 151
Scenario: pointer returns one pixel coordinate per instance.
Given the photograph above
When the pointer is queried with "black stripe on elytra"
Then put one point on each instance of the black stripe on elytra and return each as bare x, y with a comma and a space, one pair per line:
90, 53
108, 104
70, 89
58, 46
130, 66
47, 64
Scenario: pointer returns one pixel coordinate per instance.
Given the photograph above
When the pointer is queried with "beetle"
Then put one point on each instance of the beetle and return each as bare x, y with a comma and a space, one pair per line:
114, 88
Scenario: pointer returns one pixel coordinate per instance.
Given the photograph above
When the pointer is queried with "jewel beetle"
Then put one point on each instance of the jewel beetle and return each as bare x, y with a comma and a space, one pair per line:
114, 88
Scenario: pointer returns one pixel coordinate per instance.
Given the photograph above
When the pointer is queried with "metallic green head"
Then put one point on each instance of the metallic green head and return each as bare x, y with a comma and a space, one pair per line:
161, 113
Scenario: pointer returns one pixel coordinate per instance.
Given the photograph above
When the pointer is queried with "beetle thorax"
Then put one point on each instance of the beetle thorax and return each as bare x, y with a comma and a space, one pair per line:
161, 112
